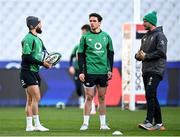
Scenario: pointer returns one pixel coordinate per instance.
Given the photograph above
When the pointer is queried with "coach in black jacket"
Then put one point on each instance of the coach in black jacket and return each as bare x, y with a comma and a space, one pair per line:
153, 56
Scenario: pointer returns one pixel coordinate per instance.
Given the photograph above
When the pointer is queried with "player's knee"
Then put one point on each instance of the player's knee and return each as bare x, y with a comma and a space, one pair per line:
29, 102
89, 98
101, 98
36, 99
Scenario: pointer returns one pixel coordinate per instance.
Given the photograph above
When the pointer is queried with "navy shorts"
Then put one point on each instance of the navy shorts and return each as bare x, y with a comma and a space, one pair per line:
96, 79
29, 78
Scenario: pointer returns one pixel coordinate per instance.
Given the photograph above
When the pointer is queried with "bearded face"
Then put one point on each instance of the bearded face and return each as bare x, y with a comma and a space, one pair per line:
147, 25
38, 30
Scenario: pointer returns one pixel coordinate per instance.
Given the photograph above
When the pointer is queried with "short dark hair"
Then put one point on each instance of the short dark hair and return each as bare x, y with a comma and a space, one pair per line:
86, 27
96, 15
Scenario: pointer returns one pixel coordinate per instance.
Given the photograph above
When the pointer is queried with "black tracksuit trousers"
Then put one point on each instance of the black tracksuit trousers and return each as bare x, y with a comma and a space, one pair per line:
151, 82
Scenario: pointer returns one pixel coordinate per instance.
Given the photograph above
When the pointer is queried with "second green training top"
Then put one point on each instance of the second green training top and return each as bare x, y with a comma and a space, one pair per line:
73, 58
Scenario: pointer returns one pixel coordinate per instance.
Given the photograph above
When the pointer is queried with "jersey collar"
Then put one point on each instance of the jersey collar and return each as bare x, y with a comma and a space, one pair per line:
95, 32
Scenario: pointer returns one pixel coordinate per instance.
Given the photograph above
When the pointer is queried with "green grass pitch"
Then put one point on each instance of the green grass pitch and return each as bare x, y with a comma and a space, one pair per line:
66, 122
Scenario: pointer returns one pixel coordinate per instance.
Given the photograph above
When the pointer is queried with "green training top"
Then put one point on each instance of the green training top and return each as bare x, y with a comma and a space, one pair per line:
75, 61
95, 47
33, 46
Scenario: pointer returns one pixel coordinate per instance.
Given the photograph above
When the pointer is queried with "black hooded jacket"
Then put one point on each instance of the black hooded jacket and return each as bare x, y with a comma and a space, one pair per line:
154, 44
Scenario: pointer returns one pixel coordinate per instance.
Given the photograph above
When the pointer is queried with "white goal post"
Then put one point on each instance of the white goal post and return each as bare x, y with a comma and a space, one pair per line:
132, 83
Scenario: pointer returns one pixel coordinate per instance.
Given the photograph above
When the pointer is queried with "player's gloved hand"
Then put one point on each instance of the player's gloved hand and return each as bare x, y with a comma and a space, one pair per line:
82, 77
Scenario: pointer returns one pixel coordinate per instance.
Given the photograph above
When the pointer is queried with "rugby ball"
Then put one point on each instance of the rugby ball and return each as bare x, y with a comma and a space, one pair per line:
53, 58
60, 105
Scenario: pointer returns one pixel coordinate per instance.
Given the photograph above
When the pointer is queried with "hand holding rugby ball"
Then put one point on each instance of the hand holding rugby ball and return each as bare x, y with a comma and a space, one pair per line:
53, 58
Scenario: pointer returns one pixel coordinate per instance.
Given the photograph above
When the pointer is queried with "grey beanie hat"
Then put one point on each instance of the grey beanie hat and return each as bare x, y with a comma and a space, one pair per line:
32, 22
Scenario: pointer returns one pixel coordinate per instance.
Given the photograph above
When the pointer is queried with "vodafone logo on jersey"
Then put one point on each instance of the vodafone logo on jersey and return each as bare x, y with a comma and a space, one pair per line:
98, 45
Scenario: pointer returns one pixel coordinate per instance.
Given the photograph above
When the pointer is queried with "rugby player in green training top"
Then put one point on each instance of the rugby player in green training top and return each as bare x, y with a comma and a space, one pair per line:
95, 59
32, 59
74, 69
